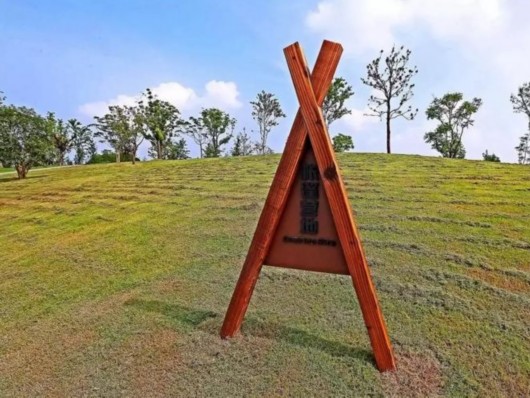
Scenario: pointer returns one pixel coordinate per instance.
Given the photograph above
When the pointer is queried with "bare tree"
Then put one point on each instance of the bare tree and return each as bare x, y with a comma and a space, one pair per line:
393, 86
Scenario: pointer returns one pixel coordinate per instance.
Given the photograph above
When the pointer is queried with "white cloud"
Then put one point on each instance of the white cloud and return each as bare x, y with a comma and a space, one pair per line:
367, 25
220, 94
358, 120
100, 107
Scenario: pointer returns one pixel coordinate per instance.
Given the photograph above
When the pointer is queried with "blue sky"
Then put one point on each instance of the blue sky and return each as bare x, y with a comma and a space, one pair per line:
77, 57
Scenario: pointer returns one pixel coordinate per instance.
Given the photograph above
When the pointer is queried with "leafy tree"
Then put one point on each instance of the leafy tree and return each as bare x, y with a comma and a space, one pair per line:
521, 101
178, 150
122, 127
523, 149
68, 136
266, 110
242, 144
333, 107
136, 124
264, 151
82, 141
342, 143
196, 131
521, 104
454, 116
24, 138
490, 157
172, 150
61, 137
112, 128
108, 156
393, 84
162, 121
217, 127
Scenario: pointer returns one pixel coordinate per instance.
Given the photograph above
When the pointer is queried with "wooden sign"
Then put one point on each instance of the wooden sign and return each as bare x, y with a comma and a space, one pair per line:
306, 222
306, 237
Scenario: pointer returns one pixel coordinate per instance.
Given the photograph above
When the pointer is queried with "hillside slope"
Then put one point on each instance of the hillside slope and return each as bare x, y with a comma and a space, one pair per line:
115, 279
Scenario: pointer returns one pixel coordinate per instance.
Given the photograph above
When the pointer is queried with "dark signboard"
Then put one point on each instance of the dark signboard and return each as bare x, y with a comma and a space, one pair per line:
306, 237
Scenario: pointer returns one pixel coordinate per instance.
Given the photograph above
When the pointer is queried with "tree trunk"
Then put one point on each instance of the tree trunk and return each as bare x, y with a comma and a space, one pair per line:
134, 156
263, 144
61, 159
159, 150
118, 156
388, 132
21, 171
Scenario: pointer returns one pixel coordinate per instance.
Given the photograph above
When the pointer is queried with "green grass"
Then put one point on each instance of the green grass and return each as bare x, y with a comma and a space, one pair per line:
5, 169
115, 280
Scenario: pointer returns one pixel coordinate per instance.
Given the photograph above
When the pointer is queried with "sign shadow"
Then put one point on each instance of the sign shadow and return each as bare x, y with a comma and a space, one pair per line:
208, 321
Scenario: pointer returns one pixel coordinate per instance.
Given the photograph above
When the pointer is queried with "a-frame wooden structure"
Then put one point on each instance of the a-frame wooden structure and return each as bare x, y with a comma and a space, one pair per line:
309, 131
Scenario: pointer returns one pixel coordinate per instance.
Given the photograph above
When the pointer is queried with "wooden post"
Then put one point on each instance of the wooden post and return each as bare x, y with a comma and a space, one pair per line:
338, 200
325, 67
309, 125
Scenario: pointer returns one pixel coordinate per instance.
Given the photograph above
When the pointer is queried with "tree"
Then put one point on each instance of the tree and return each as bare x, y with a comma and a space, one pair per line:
162, 121
521, 104
123, 128
217, 127
333, 107
136, 123
266, 110
393, 85
521, 101
490, 157
172, 150
24, 138
82, 141
455, 116
523, 149
196, 130
106, 156
342, 143
178, 150
242, 144
60, 135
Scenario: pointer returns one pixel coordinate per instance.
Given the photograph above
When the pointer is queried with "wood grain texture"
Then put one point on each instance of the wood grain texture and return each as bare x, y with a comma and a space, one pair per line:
284, 178
336, 193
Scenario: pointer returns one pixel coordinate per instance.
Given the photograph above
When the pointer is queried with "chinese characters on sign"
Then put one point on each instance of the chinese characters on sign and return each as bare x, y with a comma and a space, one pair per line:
309, 202
308, 220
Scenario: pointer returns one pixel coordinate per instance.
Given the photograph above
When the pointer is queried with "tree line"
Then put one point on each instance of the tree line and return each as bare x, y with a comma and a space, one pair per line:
28, 139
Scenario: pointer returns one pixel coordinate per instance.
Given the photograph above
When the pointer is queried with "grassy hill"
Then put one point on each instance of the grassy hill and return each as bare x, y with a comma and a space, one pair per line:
115, 279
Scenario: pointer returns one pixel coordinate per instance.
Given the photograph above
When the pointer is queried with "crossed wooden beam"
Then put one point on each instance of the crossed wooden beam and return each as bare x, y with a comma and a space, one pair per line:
311, 89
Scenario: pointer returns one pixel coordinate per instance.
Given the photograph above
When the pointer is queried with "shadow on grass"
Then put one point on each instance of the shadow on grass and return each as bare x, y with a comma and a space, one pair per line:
4, 178
175, 312
251, 326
